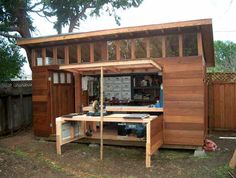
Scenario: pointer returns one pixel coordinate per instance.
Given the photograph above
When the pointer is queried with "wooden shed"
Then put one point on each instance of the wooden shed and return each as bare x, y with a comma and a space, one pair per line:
137, 61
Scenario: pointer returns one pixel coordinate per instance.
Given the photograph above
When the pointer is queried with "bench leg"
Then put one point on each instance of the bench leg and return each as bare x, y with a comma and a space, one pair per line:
148, 143
148, 156
58, 135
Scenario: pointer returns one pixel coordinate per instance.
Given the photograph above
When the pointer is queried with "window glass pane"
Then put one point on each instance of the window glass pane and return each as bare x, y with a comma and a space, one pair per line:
97, 51
61, 55
111, 45
125, 49
85, 52
140, 48
190, 44
72, 54
62, 77
68, 77
172, 45
49, 56
39, 58
155, 47
55, 78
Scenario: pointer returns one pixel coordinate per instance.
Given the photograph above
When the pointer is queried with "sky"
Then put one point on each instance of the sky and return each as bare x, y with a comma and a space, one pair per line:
222, 12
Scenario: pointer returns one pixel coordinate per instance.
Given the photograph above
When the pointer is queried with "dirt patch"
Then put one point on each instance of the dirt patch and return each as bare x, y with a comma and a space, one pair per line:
23, 156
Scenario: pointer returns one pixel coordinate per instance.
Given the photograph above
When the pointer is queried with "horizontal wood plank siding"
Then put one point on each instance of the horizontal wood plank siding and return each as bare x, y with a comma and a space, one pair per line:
184, 109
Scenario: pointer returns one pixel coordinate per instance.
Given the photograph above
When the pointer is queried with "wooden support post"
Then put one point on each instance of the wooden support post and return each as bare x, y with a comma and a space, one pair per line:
78, 54
199, 44
91, 52
72, 130
101, 115
118, 50
181, 45
33, 58
66, 50
232, 163
132, 49
44, 56
148, 52
148, 145
54, 51
163, 40
58, 135
78, 92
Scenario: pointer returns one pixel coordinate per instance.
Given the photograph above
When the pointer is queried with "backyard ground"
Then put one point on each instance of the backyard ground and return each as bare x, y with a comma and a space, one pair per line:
23, 156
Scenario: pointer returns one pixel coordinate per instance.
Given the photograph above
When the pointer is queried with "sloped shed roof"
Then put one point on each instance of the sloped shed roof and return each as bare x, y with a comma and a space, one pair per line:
204, 26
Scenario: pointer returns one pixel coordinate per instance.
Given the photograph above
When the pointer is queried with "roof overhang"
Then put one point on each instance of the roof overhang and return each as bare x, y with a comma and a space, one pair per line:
203, 25
113, 66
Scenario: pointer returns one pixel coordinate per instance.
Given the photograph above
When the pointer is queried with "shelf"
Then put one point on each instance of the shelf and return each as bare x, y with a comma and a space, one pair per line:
148, 87
142, 100
109, 134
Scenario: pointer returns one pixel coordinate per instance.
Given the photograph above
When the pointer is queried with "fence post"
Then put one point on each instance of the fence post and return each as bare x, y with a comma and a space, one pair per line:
9, 113
22, 107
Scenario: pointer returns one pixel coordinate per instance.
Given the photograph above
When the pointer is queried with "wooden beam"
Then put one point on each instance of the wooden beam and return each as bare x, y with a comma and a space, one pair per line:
72, 70
101, 115
44, 56
113, 69
116, 68
199, 44
91, 46
66, 51
54, 51
107, 64
33, 57
78, 54
148, 52
180, 45
132, 49
117, 50
78, 92
163, 40
156, 65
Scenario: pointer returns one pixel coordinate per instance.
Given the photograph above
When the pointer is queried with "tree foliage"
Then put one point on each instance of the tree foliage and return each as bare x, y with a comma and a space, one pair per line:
71, 13
16, 21
225, 56
11, 61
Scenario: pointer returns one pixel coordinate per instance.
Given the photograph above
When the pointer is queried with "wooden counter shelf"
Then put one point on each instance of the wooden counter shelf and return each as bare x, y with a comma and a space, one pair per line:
154, 131
128, 109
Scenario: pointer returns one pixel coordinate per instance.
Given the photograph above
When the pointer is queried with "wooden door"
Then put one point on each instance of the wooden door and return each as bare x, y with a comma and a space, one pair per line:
62, 98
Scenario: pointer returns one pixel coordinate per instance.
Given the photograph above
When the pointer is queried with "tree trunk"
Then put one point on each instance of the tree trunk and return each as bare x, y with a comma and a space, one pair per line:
23, 25
72, 24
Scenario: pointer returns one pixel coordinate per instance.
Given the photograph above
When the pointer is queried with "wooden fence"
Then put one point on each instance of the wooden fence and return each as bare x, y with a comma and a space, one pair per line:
222, 101
15, 106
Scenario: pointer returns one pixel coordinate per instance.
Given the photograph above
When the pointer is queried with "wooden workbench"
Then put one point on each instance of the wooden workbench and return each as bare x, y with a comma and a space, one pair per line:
154, 133
122, 108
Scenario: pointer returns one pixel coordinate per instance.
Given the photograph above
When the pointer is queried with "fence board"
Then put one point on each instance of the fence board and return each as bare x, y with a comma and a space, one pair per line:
222, 103
15, 105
